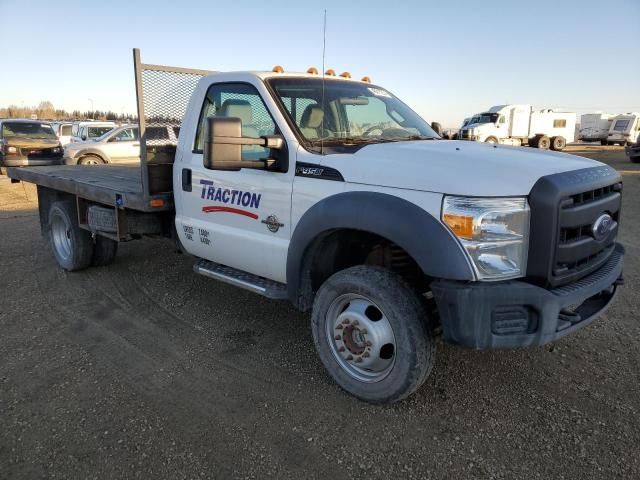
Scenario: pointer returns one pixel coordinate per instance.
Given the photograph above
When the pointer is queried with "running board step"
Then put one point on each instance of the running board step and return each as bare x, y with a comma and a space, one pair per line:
248, 281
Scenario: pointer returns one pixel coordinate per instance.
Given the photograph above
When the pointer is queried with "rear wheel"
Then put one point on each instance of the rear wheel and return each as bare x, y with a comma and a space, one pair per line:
544, 143
104, 251
72, 246
371, 333
558, 143
91, 160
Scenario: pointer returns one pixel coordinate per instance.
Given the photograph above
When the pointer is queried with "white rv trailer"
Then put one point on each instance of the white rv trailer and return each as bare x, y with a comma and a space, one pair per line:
625, 129
521, 125
594, 127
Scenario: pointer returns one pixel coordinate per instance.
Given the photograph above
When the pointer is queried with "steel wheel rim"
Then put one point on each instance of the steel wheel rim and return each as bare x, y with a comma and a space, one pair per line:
61, 233
91, 161
361, 338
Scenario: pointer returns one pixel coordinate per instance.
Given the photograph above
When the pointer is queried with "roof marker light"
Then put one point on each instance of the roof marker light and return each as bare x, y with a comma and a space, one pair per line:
330, 72
312, 70
278, 69
366, 79
345, 75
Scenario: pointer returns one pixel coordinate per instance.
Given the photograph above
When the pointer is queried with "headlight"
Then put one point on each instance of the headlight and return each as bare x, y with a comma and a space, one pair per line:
493, 231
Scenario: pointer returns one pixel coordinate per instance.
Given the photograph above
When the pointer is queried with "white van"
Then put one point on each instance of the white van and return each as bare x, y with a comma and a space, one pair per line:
625, 129
83, 131
63, 131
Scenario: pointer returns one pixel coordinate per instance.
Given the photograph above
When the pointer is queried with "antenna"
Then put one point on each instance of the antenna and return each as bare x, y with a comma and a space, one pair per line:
324, 47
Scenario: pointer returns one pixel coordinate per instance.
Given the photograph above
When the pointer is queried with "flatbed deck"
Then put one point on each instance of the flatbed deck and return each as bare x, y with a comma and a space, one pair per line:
117, 185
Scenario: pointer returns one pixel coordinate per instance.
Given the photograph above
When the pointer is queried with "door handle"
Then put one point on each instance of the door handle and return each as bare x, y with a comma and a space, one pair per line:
186, 179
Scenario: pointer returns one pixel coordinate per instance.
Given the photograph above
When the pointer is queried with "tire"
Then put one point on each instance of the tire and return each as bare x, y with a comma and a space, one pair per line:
558, 143
72, 246
604, 143
396, 344
91, 160
491, 140
543, 143
104, 251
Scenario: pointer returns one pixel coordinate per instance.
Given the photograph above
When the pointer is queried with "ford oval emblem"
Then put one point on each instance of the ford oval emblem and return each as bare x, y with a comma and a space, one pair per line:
601, 227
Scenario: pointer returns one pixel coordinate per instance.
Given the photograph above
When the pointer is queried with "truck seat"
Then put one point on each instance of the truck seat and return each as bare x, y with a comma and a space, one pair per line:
311, 121
240, 109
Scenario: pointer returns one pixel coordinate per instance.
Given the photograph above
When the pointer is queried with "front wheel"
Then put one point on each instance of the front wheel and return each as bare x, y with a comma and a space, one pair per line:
91, 160
491, 140
371, 332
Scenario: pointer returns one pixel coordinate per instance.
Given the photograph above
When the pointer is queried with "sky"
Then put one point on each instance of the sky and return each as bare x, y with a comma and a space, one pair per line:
447, 60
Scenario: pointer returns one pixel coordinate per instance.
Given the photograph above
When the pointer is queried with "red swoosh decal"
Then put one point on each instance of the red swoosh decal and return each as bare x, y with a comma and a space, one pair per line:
237, 211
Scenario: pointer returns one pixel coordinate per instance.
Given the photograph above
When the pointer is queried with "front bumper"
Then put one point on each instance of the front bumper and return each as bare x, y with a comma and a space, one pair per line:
30, 162
519, 314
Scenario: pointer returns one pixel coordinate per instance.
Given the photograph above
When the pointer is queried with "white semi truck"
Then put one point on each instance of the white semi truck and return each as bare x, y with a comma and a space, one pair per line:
522, 125
333, 194
624, 129
594, 127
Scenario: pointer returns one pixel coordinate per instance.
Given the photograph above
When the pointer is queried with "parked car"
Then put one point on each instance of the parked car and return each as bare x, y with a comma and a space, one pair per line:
120, 145
83, 131
28, 143
633, 151
63, 131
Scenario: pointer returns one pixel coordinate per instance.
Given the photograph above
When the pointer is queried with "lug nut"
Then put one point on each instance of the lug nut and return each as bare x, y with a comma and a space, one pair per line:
345, 321
358, 360
355, 322
338, 337
366, 354
341, 349
339, 327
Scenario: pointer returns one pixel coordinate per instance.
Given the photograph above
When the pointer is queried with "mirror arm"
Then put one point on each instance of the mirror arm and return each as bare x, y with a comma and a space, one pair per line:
269, 141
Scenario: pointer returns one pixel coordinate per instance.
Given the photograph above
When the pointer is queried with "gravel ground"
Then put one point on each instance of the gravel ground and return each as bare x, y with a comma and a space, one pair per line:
145, 370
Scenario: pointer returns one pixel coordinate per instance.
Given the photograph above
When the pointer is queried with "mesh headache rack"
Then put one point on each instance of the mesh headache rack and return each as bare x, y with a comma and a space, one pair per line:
162, 95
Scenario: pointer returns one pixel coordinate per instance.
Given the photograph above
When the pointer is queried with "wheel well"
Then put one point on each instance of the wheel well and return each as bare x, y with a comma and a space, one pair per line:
336, 250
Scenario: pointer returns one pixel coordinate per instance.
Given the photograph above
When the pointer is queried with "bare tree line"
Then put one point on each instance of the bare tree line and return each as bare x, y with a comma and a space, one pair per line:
46, 111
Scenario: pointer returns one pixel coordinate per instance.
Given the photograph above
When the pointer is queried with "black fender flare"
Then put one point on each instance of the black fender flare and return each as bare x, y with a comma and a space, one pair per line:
425, 238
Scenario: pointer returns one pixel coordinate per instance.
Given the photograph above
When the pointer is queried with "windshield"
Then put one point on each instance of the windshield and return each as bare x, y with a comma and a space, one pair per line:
621, 125
352, 113
28, 130
486, 118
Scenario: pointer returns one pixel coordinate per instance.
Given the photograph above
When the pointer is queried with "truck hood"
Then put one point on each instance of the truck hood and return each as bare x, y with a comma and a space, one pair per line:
453, 167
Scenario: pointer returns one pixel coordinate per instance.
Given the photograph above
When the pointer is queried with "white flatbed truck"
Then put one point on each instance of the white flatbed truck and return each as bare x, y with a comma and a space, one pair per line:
331, 193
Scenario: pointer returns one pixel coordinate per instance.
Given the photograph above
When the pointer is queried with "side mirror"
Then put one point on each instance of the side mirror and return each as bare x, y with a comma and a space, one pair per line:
223, 145
437, 128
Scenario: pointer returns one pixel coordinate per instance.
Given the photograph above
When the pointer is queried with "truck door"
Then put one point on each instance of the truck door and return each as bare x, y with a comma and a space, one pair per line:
124, 145
237, 218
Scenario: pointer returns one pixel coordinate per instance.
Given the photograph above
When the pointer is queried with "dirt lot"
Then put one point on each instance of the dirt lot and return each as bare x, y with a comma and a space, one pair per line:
145, 370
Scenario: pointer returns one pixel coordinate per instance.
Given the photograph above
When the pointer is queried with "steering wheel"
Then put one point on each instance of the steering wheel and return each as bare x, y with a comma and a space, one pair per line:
368, 131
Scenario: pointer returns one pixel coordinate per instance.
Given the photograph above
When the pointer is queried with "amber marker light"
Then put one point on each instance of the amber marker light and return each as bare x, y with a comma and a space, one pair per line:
366, 79
461, 225
330, 72
156, 202
345, 75
312, 70
278, 69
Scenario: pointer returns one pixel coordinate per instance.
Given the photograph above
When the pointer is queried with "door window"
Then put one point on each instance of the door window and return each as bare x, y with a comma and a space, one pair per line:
65, 130
128, 135
242, 101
